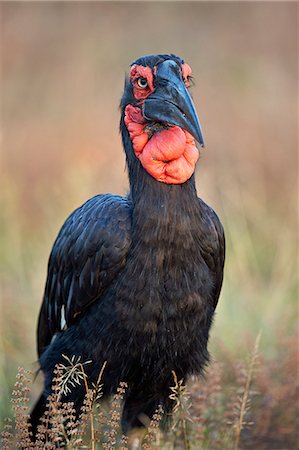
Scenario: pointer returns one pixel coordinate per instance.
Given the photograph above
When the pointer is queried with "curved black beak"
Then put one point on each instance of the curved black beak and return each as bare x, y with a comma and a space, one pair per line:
171, 102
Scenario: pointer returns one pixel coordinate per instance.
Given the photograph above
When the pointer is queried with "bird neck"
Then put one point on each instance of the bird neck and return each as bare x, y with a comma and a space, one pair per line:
158, 208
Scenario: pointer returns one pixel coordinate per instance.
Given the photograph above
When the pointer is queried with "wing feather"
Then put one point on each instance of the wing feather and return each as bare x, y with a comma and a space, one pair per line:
214, 248
89, 251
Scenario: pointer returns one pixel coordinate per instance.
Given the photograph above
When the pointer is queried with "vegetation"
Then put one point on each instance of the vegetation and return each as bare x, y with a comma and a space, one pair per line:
212, 423
227, 410
62, 78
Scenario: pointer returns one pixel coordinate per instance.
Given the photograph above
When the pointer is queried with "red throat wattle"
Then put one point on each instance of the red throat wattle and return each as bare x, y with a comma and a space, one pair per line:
168, 155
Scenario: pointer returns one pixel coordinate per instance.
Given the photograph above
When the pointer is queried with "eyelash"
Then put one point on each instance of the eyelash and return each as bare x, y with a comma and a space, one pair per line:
190, 81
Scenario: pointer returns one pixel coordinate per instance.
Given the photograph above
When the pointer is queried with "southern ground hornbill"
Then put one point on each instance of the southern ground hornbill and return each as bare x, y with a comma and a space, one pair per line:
135, 280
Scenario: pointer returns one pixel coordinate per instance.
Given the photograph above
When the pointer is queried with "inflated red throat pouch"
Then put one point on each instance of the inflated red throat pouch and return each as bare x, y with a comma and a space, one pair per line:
169, 154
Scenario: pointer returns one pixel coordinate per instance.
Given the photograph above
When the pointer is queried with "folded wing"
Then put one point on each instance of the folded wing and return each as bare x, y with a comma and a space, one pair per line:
89, 252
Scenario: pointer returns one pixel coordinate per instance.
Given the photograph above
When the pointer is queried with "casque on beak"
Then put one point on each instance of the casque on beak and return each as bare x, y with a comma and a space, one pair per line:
171, 102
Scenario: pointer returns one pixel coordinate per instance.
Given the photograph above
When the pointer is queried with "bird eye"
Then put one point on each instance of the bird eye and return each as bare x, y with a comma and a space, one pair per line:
142, 82
189, 81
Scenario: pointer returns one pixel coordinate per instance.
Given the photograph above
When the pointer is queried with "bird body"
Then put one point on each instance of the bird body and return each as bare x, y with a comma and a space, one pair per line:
134, 281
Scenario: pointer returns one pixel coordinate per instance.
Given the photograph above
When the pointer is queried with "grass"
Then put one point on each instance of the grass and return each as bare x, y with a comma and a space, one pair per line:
233, 408
96, 428
62, 82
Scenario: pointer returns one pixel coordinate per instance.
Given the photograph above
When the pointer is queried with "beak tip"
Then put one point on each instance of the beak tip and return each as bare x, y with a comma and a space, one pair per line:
199, 138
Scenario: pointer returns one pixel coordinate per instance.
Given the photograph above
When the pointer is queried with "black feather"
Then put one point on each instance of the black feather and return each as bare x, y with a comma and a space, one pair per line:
139, 279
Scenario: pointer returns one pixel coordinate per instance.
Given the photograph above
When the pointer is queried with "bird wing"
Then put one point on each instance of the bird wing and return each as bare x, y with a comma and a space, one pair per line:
213, 248
89, 252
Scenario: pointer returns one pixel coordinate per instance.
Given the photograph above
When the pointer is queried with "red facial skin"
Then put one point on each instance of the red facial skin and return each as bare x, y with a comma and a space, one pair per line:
144, 72
186, 71
169, 155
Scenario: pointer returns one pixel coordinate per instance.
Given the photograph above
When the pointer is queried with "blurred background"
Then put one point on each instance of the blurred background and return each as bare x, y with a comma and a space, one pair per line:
62, 74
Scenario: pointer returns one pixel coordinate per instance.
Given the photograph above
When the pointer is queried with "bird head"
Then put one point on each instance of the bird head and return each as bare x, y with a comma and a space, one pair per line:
159, 117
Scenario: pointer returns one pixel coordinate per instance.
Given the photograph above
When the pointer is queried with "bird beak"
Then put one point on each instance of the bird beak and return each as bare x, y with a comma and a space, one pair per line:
171, 102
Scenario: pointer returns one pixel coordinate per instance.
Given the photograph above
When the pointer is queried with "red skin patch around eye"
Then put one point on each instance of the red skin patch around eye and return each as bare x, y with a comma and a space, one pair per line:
169, 155
186, 71
144, 72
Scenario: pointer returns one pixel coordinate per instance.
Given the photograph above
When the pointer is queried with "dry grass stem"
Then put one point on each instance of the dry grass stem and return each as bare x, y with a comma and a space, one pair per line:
181, 409
243, 403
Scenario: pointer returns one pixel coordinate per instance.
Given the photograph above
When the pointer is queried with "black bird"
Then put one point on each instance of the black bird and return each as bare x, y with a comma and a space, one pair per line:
135, 280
